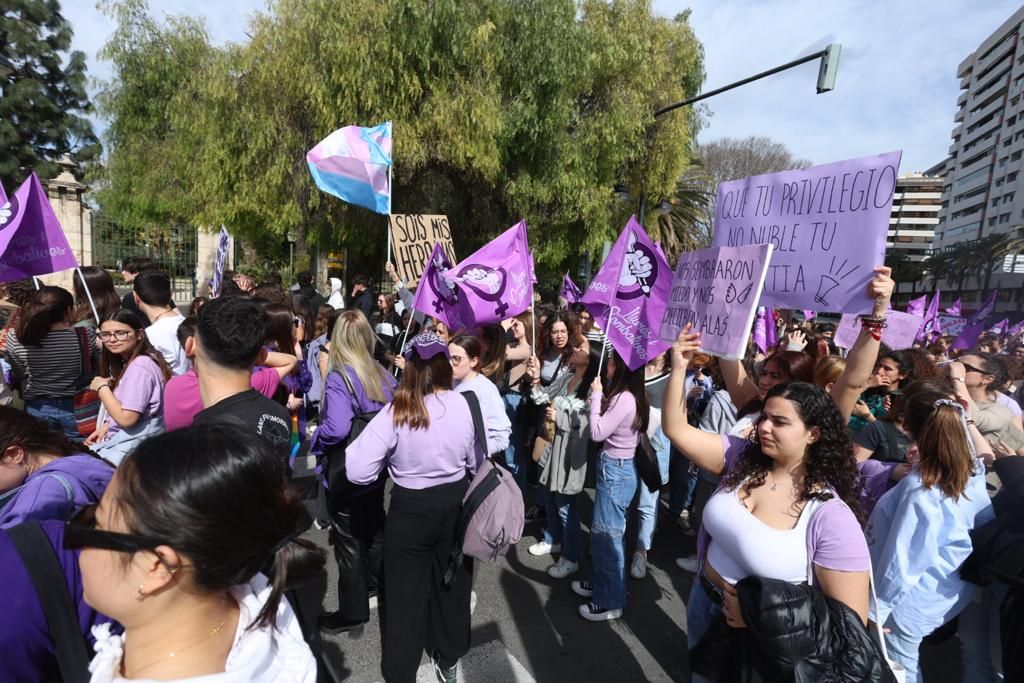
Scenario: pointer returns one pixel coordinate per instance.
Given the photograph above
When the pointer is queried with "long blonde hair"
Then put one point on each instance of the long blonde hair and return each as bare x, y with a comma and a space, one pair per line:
352, 346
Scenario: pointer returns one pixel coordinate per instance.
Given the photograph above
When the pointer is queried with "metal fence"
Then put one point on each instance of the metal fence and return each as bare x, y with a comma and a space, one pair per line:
172, 247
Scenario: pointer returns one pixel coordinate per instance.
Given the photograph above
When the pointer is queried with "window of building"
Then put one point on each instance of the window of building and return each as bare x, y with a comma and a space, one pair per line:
1005, 218
992, 222
1008, 197
1016, 156
1011, 177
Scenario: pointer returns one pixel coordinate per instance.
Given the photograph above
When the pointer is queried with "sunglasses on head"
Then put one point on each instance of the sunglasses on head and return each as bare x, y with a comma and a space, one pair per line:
81, 532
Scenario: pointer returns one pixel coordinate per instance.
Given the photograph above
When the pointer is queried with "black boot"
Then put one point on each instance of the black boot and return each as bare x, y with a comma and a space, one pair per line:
335, 622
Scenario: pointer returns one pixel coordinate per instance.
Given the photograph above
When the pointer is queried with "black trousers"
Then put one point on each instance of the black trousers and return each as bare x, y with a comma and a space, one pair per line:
417, 610
357, 533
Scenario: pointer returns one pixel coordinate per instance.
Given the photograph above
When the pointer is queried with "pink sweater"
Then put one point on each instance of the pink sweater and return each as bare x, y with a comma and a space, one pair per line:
615, 427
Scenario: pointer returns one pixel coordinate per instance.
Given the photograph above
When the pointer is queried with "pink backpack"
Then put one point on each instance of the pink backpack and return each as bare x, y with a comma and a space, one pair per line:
492, 510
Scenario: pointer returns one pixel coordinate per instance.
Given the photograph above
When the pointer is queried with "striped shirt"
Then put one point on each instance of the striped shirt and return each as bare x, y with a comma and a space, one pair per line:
54, 369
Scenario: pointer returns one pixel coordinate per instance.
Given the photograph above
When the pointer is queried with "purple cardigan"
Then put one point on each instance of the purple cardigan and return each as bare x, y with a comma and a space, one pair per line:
57, 490
26, 649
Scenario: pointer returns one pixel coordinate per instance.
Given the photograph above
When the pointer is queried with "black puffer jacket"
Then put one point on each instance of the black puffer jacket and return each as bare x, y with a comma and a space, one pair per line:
794, 633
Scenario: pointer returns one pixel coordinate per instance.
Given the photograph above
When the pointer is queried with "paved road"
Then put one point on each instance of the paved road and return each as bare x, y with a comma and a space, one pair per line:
526, 627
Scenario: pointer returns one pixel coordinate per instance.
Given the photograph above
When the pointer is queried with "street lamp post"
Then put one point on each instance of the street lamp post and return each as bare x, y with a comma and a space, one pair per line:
292, 237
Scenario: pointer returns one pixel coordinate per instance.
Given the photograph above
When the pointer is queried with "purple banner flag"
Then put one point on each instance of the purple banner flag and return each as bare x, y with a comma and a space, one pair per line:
629, 294
954, 309
931, 324
533, 269
1016, 329
771, 329
916, 306
570, 291
438, 296
223, 241
760, 332
1001, 326
717, 290
969, 336
495, 281
31, 240
828, 225
808, 314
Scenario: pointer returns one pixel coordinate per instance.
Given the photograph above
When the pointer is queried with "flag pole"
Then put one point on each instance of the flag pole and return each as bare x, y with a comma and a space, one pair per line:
88, 295
35, 281
405, 339
533, 325
604, 351
391, 167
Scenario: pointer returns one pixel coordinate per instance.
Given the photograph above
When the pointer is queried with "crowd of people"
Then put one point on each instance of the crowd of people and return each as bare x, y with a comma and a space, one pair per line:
847, 504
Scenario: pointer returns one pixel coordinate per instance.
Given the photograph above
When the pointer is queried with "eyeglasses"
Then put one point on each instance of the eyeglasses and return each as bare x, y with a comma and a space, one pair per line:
119, 335
457, 359
297, 322
971, 368
81, 532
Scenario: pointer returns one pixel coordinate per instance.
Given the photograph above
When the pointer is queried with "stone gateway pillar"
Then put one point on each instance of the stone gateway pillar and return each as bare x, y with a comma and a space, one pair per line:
67, 197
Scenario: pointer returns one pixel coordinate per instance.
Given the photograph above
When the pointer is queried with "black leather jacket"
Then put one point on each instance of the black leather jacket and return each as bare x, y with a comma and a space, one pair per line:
794, 633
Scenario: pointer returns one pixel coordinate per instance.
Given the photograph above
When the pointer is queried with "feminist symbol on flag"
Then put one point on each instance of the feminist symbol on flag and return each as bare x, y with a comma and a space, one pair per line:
442, 286
8, 211
488, 283
639, 269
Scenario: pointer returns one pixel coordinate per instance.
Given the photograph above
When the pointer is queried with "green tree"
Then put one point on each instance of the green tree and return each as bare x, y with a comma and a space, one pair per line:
502, 109
43, 103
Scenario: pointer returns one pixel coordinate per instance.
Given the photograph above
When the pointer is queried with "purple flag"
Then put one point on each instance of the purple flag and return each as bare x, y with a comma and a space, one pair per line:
1016, 329
828, 225
975, 326
916, 306
931, 319
436, 295
760, 333
629, 294
808, 314
533, 269
1001, 326
771, 329
495, 281
31, 240
570, 291
955, 308
220, 261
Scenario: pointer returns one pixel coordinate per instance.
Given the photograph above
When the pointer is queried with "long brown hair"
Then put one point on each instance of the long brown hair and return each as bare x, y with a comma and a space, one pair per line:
420, 378
113, 366
946, 459
101, 286
279, 327
573, 339
623, 381
18, 428
47, 307
492, 359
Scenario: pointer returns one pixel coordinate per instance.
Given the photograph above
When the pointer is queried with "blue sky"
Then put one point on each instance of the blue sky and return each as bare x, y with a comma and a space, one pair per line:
896, 88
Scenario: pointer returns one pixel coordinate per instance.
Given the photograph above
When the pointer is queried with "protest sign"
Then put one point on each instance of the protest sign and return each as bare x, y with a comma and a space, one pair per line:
900, 331
717, 290
828, 225
413, 238
952, 324
31, 240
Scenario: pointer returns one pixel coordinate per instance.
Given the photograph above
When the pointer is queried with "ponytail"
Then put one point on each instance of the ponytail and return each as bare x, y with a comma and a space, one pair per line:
293, 562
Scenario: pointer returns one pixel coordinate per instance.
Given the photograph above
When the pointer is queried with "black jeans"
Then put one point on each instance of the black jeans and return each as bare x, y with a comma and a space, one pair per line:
418, 610
357, 533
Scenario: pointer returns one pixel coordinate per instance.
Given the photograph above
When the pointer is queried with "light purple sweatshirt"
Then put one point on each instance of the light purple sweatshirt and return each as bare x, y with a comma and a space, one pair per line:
57, 490
443, 453
615, 427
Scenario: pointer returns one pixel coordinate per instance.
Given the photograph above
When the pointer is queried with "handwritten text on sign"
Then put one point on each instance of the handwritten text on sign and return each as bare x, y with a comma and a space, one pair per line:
412, 239
828, 225
716, 290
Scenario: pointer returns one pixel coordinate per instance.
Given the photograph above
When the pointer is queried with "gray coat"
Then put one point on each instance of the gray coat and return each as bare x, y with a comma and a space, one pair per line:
565, 460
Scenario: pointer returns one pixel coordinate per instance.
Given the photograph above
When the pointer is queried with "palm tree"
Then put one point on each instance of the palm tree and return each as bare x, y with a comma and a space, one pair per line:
684, 223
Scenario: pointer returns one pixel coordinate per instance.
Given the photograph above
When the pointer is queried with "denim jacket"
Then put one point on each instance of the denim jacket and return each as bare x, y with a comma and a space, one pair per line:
918, 538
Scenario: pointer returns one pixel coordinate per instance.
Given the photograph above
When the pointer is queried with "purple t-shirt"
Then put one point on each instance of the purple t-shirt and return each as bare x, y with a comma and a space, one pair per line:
834, 537
140, 390
443, 453
182, 400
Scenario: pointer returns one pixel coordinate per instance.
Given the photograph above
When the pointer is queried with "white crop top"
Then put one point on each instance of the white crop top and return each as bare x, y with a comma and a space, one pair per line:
742, 545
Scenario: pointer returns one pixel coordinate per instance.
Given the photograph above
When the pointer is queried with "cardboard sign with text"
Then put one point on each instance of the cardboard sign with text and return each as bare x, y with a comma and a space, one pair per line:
952, 325
899, 333
828, 225
717, 290
412, 240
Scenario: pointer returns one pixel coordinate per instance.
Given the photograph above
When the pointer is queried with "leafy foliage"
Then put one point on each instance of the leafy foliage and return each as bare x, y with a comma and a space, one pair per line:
502, 109
43, 103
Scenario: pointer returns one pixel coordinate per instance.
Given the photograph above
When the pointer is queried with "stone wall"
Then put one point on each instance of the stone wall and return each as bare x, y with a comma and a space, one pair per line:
67, 197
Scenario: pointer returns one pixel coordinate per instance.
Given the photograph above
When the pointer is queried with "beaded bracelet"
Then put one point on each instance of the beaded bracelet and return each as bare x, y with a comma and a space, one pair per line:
873, 325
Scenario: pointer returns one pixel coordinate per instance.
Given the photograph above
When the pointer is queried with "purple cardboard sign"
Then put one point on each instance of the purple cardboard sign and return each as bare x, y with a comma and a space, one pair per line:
717, 290
828, 225
899, 333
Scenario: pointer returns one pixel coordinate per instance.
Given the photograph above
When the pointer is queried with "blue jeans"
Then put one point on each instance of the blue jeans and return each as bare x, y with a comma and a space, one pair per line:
564, 524
647, 506
59, 412
904, 649
980, 643
682, 483
700, 614
616, 486
515, 454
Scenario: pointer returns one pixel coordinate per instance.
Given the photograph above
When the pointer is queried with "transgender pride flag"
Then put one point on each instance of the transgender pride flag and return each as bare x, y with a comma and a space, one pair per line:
352, 163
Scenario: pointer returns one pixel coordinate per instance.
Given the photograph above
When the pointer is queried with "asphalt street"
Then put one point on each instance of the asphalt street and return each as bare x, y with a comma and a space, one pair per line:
526, 626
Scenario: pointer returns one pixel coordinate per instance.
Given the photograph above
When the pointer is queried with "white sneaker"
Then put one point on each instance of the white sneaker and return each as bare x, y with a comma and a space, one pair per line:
545, 548
562, 568
638, 569
592, 612
687, 564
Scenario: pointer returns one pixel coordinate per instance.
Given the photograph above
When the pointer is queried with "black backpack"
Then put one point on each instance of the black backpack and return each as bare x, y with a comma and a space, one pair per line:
332, 462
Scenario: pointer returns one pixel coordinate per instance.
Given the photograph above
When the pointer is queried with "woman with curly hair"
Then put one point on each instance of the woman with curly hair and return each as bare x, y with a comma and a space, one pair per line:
787, 503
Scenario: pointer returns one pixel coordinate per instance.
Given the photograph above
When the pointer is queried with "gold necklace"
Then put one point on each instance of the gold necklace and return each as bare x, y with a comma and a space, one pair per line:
211, 634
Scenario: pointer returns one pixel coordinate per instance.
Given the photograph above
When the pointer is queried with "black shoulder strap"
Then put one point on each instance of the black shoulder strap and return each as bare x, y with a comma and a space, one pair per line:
48, 578
478, 420
890, 435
